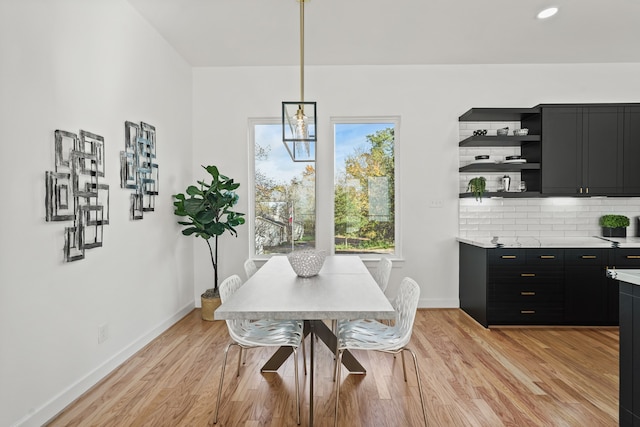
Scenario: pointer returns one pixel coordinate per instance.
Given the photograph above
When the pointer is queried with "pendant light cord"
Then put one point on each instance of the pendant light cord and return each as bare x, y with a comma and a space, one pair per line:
301, 50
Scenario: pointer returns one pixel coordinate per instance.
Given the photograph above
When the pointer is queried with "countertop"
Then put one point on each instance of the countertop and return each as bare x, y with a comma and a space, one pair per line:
552, 242
625, 275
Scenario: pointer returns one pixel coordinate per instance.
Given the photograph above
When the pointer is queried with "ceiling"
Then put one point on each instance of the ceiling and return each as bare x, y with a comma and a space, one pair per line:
396, 32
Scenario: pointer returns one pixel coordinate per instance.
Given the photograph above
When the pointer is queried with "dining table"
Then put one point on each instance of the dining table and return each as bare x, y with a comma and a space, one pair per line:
343, 289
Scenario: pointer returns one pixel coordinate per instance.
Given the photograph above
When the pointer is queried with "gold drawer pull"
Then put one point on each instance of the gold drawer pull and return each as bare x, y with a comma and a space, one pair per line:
527, 275
633, 256
589, 257
508, 257
527, 293
527, 312
547, 256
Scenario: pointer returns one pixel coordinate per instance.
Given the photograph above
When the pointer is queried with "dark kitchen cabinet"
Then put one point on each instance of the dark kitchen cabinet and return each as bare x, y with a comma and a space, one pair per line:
541, 286
629, 355
585, 284
631, 153
525, 286
582, 150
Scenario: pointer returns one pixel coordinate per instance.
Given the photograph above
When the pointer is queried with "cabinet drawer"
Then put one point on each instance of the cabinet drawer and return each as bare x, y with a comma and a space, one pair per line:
586, 256
545, 257
505, 257
526, 274
531, 293
526, 314
627, 257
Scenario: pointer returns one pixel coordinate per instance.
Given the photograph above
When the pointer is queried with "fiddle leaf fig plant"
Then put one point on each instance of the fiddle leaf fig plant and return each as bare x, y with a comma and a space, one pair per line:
208, 208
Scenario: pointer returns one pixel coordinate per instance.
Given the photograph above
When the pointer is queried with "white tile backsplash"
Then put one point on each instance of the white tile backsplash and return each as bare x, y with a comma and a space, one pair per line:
551, 216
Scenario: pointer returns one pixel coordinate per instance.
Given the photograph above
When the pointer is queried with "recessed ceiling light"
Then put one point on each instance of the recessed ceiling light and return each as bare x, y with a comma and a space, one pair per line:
547, 13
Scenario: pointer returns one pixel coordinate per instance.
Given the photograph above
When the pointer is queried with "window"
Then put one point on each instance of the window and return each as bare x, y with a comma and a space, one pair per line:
361, 207
284, 196
364, 180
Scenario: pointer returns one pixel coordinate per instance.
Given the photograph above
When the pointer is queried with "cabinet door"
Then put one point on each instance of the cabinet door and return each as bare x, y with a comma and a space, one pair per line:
631, 149
602, 150
586, 287
561, 150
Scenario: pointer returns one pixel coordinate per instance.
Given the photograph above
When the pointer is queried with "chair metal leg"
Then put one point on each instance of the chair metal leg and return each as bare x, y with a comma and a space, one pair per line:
404, 367
337, 380
239, 360
295, 369
415, 364
224, 363
304, 357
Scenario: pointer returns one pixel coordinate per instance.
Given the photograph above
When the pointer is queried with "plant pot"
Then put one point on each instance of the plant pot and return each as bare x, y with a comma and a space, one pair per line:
209, 305
614, 232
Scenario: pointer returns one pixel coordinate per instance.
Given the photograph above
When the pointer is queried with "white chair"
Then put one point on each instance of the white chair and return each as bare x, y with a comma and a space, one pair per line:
250, 268
258, 333
374, 335
383, 272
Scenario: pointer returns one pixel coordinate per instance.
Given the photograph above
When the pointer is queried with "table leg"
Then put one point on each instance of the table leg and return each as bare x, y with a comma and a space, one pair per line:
327, 337
330, 340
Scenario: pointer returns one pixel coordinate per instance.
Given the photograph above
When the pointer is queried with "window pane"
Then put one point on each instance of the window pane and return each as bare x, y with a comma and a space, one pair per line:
284, 194
364, 201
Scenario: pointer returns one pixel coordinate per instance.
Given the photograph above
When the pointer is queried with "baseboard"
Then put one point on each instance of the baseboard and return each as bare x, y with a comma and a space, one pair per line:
43, 414
438, 303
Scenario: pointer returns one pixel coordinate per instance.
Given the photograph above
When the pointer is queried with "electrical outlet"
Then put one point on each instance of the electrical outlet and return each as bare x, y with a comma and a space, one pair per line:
436, 203
103, 333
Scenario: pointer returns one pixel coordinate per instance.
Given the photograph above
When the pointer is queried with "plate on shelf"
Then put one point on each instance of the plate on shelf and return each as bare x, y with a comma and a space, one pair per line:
515, 161
476, 162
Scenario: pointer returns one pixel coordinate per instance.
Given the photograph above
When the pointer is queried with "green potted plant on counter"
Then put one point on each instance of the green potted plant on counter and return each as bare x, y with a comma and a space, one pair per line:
208, 208
477, 187
614, 225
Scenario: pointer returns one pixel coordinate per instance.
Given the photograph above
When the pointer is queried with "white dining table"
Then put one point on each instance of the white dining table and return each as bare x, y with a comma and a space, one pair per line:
344, 289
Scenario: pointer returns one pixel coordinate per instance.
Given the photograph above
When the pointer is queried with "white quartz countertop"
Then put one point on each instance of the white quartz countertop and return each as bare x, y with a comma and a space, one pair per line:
552, 242
625, 275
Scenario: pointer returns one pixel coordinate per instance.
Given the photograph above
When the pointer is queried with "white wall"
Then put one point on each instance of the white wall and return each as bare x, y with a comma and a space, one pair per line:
429, 100
71, 65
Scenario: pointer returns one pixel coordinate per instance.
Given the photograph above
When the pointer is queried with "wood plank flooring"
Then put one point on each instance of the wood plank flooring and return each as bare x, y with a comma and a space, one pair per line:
471, 377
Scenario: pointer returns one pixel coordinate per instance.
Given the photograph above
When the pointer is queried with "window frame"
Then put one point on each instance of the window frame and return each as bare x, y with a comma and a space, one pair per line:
395, 120
325, 174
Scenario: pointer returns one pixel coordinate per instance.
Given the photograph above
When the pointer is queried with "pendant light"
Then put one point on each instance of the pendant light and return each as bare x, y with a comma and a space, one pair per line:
299, 117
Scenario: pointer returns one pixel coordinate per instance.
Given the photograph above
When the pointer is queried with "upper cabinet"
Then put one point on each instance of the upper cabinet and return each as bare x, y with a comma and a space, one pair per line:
631, 151
571, 149
582, 151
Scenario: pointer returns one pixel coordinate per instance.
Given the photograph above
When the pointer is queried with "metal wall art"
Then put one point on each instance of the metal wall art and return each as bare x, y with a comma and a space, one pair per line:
138, 170
74, 192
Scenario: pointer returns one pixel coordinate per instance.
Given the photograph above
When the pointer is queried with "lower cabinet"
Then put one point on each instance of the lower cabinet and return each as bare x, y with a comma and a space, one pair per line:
555, 286
585, 284
525, 286
629, 355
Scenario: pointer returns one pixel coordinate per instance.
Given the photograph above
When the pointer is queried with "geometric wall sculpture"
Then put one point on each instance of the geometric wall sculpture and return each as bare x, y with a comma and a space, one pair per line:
138, 167
75, 192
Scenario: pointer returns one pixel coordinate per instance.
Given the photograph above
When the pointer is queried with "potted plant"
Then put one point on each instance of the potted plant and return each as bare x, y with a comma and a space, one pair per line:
477, 186
208, 209
614, 225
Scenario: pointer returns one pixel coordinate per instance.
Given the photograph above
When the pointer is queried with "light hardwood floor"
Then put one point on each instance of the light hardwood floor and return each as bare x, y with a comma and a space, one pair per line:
471, 377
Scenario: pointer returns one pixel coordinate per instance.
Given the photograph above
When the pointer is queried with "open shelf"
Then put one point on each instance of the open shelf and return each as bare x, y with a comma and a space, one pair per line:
498, 141
504, 194
499, 167
502, 114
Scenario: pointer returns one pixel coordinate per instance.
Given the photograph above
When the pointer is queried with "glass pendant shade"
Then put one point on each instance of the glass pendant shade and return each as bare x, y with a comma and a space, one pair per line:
299, 130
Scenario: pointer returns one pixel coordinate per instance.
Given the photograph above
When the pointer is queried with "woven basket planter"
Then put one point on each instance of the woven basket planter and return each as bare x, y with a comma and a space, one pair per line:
209, 305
